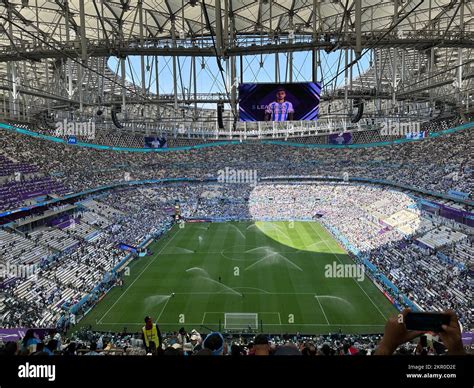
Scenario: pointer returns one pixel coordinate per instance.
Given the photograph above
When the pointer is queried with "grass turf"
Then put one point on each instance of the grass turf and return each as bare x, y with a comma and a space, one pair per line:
274, 269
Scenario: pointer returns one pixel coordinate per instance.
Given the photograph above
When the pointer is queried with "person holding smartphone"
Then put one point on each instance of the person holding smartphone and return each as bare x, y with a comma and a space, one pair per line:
396, 333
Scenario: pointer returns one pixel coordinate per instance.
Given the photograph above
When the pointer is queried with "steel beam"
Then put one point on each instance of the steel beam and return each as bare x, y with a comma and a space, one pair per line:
101, 48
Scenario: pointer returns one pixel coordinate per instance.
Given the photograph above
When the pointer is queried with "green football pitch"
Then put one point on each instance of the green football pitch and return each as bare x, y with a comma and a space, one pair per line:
270, 275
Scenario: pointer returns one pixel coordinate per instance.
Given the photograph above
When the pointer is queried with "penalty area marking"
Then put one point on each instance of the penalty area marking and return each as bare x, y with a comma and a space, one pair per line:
322, 309
163, 309
138, 277
330, 251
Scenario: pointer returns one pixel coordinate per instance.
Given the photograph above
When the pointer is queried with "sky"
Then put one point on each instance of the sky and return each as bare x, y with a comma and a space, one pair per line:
257, 68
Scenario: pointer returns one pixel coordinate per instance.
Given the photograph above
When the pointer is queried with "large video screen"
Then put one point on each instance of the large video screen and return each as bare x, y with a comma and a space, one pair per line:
155, 142
279, 102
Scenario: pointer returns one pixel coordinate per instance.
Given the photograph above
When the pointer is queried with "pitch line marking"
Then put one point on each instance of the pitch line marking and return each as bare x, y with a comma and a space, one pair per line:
330, 251
163, 309
258, 261
248, 293
254, 288
227, 312
141, 273
322, 309
267, 324
227, 250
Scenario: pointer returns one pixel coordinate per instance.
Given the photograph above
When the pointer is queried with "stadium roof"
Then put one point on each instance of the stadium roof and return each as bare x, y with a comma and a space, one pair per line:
420, 50
112, 19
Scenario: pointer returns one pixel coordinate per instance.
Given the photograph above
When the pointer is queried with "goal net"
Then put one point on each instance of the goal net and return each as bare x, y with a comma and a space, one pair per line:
237, 321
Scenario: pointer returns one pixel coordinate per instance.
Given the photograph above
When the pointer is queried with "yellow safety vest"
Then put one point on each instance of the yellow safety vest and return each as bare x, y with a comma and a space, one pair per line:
151, 335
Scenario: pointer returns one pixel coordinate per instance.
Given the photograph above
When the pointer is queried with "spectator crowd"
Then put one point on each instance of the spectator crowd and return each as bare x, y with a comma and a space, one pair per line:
75, 256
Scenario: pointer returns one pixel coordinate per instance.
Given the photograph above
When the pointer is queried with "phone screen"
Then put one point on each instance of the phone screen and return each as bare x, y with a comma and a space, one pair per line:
424, 341
426, 321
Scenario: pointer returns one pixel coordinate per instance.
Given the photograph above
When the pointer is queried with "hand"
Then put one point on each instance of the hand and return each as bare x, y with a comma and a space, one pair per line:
395, 334
451, 335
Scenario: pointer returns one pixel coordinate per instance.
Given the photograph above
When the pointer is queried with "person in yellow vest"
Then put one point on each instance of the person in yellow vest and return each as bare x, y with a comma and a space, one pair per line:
152, 337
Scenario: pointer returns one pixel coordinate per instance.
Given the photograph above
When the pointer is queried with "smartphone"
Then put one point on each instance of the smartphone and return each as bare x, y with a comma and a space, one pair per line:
424, 341
426, 321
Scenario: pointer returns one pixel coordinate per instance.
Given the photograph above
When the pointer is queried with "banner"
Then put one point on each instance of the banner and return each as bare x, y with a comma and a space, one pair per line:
458, 194
72, 140
417, 135
387, 295
341, 138
17, 334
156, 142
128, 248
458, 215
170, 211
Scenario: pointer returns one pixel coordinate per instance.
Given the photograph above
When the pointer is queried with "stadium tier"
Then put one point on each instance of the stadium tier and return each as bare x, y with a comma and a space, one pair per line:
81, 168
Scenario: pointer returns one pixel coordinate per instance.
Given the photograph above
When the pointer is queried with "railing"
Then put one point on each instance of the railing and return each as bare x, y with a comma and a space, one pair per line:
267, 133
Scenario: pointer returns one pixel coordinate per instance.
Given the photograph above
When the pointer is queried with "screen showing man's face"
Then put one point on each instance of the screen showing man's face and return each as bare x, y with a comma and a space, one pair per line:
281, 94
279, 102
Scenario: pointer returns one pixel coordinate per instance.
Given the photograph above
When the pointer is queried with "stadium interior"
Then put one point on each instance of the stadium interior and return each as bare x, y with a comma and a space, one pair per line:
235, 177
